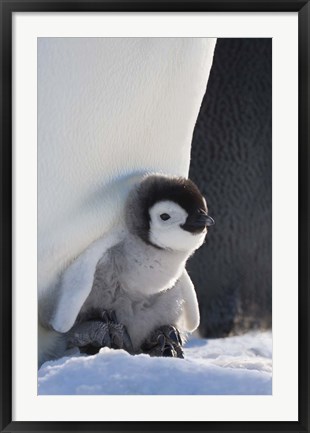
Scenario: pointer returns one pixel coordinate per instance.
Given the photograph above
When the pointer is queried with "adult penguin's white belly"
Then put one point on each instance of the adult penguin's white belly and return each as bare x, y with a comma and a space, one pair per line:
109, 110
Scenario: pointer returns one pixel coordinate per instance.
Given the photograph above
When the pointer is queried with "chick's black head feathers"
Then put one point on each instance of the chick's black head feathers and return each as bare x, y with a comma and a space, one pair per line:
156, 188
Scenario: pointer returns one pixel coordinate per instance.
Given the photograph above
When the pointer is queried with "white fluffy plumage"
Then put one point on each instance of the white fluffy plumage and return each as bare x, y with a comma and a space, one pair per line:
96, 136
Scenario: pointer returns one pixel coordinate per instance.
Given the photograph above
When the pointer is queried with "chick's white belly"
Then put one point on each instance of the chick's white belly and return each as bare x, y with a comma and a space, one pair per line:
143, 282
145, 270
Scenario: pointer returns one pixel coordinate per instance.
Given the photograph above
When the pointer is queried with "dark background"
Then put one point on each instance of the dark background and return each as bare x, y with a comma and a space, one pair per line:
231, 163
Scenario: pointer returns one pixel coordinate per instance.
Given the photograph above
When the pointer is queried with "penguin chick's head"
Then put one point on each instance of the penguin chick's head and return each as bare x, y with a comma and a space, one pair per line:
168, 213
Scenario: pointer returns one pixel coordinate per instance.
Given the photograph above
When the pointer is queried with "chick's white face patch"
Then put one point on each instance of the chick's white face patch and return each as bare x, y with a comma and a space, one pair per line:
166, 219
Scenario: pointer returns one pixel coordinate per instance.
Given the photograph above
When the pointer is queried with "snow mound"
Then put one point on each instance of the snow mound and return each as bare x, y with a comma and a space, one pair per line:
228, 366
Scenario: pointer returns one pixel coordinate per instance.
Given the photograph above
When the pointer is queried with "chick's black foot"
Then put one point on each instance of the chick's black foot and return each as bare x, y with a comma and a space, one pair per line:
164, 341
92, 335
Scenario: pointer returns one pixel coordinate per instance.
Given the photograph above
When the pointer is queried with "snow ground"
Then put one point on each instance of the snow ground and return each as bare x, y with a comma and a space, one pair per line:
226, 366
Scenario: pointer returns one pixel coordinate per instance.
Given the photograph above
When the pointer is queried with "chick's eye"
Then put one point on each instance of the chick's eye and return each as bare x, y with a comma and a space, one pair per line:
164, 216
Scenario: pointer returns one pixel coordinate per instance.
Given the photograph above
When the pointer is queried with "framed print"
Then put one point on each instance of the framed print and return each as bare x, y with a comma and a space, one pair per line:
154, 260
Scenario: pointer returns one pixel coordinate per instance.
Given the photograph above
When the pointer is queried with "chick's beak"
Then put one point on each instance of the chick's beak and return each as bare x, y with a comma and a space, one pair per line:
203, 220
209, 221
198, 223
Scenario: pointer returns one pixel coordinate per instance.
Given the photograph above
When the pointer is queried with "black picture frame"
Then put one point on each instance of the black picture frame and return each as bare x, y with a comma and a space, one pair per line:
7, 8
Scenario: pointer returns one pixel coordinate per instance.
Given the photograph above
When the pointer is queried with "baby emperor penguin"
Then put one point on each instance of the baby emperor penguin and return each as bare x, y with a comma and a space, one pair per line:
142, 299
